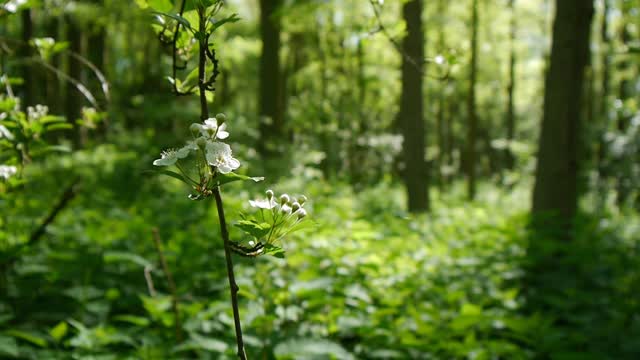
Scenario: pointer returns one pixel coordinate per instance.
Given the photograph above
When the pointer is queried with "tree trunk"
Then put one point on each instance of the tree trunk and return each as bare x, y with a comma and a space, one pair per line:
270, 114
73, 99
411, 109
442, 136
556, 180
26, 53
510, 118
472, 128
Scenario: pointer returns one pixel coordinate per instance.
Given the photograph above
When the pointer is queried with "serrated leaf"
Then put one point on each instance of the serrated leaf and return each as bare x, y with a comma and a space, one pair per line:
251, 227
274, 251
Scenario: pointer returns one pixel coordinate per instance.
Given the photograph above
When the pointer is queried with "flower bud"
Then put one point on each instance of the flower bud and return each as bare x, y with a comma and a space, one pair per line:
301, 213
201, 142
295, 206
194, 128
269, 194
284, 198
302, 199
285, 209
221, 118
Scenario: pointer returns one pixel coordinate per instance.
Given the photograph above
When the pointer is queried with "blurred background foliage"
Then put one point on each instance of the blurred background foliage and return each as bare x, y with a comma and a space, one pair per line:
376, 279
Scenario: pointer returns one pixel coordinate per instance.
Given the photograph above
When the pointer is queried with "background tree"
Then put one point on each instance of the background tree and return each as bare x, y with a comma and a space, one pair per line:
415, 173
557, 172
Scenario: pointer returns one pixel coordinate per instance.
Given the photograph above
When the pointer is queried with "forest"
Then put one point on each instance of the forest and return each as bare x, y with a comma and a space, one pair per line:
319, 179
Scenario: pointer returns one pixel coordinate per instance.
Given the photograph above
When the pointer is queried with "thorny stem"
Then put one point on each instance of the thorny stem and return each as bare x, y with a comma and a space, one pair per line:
204, 114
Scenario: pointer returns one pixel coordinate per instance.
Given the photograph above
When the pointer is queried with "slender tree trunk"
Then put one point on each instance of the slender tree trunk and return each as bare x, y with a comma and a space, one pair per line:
511, 121
73, 101
624, 184
411, 109
472, 128
556, 181
442, 137
53, 91
270, 112
28, 88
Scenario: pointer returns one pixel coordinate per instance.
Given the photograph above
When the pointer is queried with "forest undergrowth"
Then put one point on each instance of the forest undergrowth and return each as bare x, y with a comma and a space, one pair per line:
368, 281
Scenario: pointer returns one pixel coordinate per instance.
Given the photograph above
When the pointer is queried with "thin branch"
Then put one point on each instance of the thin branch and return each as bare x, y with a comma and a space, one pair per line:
399, 48
104, 84
77, 84
70, 192
149, 280
172, 284
174, 52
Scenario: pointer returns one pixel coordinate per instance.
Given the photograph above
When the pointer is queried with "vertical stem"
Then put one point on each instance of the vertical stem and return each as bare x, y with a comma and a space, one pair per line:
232, 281
172, 284
204, 114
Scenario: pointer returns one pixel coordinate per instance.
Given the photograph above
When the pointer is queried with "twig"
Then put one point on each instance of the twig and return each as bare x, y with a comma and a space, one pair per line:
172, 284
69, 193
149, 280
400, 50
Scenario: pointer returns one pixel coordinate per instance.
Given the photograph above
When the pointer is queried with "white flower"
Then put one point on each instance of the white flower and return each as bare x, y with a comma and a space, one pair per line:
285, 209
301, 213
6, 171
170, 156
211, 130
5, 133
219, 155
267, 204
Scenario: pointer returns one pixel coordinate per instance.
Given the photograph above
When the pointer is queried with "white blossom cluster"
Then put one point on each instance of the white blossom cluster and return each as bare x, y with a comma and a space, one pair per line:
285, 206
36, 112
206, 135
7, 171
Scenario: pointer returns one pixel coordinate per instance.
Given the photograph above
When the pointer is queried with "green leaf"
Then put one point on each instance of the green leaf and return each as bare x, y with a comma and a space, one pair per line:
252, 227
230, 19
160, 5
64, 126
184, 22
132, 319
118, 256
231, 177
174, 175
274, 251
8, 346
59, 331
311, 349
34, 338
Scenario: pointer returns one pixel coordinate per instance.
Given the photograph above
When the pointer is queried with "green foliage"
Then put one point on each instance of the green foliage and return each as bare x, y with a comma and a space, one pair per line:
370, 282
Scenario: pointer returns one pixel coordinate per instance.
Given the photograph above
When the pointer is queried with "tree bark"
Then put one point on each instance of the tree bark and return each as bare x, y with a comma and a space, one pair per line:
510, 118
556, 181
270, 112
28, 89
472, 126
73, 101
411, 109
